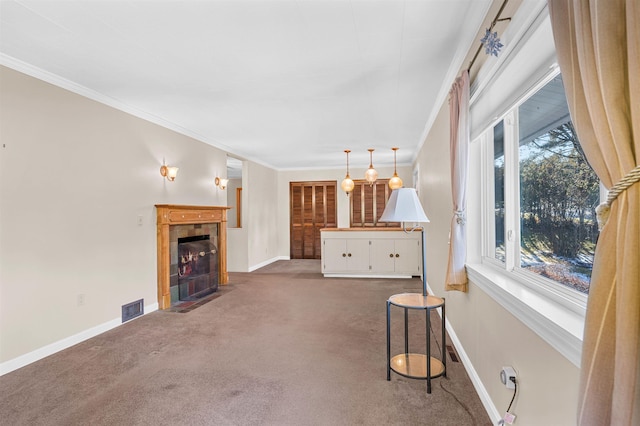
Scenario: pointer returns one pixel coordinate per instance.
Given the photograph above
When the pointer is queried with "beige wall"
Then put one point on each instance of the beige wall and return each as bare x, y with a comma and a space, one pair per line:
76, 177
260, 216
489, 335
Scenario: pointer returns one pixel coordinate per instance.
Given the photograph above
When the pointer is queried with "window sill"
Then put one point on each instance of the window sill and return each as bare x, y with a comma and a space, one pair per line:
552, 320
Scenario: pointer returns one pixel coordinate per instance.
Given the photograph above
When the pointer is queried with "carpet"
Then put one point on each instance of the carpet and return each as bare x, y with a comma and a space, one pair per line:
280, 346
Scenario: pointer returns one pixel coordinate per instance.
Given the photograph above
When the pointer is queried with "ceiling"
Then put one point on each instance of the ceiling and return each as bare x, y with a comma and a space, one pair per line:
288, 84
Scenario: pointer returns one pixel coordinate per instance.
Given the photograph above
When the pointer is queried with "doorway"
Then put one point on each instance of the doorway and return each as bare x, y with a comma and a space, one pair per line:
312, 207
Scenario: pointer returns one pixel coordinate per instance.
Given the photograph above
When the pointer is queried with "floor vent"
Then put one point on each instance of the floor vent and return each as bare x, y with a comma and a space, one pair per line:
452, 353
132, 310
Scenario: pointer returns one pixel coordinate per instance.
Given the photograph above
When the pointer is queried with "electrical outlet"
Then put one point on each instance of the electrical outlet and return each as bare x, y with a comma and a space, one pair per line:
140, 220
508, 377
81, 299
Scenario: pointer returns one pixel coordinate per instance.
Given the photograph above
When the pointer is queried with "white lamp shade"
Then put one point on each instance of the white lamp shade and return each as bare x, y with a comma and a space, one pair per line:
404, 206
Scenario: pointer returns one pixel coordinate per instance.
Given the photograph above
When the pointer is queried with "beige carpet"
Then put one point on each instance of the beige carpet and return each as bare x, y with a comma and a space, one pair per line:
279, 346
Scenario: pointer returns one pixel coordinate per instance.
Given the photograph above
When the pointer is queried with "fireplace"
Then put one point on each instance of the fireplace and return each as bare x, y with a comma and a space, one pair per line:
197, 268
204, 229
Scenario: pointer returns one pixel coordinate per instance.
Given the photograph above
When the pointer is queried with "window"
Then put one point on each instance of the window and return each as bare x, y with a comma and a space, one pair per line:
544, 193
498, 170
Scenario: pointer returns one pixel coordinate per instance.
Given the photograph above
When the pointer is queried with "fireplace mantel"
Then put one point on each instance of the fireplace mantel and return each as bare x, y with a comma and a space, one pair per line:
170, 215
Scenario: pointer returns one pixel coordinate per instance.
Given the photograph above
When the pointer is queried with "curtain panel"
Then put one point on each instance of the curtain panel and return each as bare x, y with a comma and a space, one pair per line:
456, 278
598, 48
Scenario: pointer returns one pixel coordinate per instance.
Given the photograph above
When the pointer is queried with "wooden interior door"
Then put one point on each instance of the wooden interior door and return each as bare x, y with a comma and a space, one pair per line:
312, 207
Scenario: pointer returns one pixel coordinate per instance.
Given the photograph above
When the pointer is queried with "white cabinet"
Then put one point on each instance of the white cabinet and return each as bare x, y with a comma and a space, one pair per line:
400, 256
379, 253
345, 255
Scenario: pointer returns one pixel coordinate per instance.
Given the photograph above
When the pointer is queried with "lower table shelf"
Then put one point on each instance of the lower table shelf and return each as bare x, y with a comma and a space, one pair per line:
414, 366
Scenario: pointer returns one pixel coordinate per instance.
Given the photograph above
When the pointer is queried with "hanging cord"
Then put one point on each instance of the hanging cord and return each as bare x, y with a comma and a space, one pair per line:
515, 391
604, 210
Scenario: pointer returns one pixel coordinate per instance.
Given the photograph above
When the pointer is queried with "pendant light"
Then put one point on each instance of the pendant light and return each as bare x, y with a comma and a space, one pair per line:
371, 174
347, 183
395, 182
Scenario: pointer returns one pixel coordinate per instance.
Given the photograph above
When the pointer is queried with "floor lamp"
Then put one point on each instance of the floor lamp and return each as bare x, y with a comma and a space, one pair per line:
404, 206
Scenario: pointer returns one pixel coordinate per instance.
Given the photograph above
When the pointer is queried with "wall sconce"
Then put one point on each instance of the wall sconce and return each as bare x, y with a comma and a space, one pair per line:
347, 183
221, 183
395, 182
169, 172
371, 174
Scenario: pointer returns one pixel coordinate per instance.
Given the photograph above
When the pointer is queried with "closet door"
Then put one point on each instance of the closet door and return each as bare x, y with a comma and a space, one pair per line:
367, 203
312, 207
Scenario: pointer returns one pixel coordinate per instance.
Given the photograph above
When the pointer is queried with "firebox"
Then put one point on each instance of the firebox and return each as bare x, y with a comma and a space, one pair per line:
197, 267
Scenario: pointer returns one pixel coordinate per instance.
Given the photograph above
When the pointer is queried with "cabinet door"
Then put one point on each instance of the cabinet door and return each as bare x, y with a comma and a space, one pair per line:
343, 255
358, 255
383, 255
334, 255
408, 256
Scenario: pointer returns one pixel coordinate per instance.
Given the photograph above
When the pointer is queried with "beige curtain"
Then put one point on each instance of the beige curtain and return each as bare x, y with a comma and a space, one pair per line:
598, 45
456, 278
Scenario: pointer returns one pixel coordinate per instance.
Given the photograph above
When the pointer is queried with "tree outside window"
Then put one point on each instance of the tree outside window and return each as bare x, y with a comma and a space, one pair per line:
557, 192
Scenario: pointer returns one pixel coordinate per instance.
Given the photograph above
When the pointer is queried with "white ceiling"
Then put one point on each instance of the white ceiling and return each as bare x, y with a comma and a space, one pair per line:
286, 83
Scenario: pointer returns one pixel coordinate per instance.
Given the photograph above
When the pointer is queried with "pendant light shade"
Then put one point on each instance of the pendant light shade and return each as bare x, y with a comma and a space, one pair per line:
371, 174
347, 183
395, 182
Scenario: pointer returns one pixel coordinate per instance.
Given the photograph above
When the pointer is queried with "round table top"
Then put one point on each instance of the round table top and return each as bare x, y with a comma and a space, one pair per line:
416, 301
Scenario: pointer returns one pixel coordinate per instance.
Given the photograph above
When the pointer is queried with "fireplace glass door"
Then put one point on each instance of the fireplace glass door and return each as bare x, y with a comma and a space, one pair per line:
197, 267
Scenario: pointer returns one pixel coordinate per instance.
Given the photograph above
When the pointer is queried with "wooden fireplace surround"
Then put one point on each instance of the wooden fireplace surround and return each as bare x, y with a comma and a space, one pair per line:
171, 215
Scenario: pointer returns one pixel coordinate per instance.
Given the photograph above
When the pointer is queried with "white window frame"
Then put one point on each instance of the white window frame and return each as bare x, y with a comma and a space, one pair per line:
553, 311
536, 300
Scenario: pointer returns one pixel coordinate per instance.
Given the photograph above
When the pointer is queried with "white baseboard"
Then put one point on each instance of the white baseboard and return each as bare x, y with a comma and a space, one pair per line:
491, 409
267, 262
45, 351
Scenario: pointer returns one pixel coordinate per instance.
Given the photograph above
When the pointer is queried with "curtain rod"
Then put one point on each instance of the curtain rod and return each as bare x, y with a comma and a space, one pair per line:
493, 23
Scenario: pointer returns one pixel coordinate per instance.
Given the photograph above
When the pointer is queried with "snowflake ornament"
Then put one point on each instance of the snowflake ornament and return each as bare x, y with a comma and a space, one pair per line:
491, 43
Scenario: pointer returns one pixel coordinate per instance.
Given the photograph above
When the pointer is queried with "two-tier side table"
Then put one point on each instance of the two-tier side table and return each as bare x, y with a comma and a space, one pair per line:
416, 365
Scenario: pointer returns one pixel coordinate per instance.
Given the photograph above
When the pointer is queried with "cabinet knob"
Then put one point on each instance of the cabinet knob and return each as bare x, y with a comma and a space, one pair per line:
397, 255
349, 255
391, 255
344, 254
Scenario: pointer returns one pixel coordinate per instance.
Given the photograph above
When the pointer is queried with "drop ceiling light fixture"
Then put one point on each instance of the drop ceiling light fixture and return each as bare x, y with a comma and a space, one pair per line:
395, 182
221, 183
371, 174
169, 172
347, 183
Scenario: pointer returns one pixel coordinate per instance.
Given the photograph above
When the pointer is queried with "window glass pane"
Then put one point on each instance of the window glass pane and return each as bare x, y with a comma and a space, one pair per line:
558, 192
498, 176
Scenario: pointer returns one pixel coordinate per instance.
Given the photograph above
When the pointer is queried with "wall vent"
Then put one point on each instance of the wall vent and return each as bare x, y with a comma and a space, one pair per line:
132, 310
452, 353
